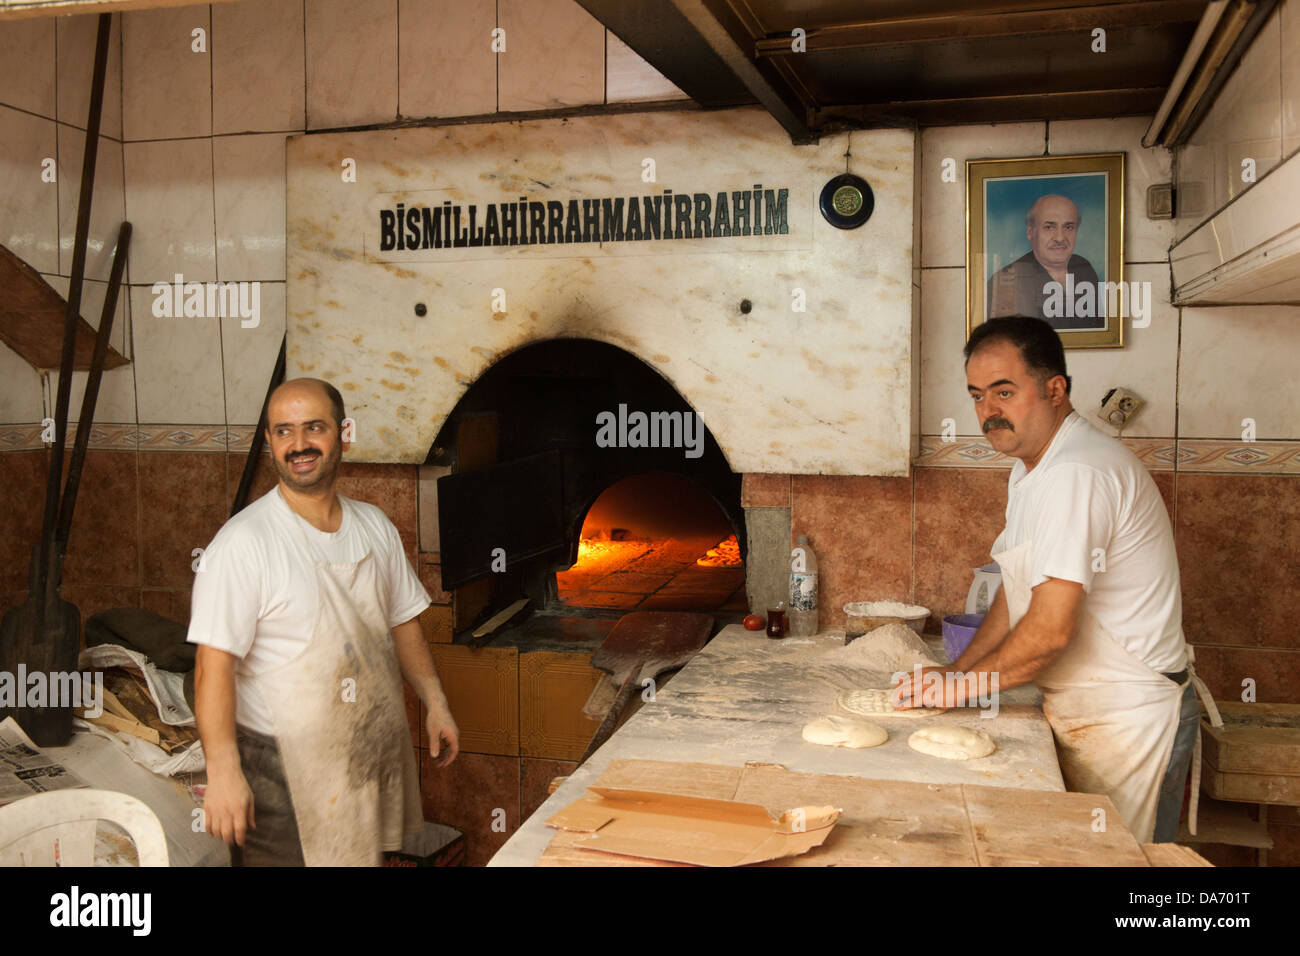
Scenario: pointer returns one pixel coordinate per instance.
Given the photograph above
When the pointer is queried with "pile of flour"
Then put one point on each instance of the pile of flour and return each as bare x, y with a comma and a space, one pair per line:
891, 647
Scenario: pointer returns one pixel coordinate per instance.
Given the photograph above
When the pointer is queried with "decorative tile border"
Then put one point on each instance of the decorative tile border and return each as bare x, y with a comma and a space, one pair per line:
128, 437
1223, 456
1201, 455
1216, 456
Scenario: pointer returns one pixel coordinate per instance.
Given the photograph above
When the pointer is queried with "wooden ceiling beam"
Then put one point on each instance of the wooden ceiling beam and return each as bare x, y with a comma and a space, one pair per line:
975, 26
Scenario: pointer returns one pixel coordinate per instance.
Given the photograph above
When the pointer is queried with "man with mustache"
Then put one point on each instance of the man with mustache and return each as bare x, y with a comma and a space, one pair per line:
1090, 606
305, 610
1051, 225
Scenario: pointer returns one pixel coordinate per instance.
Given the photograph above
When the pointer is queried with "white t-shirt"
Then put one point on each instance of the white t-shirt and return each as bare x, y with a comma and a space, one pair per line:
255, 596
1090, 504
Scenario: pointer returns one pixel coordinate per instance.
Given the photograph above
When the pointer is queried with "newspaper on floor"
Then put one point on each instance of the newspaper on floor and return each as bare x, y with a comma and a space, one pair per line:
25, 769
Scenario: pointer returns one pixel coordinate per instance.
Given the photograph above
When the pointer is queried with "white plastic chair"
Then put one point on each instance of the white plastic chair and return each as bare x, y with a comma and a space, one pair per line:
58, 828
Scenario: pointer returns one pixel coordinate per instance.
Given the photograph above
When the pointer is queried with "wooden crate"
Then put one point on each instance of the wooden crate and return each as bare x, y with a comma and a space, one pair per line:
1255, 756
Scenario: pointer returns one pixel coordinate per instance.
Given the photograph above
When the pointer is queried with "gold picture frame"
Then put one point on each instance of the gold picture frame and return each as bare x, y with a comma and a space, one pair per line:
1033, 246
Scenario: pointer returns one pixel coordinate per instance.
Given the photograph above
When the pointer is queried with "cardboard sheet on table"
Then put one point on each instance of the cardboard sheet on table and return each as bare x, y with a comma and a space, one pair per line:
657, 824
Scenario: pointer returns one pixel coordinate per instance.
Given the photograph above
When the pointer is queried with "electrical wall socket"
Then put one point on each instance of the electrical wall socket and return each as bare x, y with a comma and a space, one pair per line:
1118, 407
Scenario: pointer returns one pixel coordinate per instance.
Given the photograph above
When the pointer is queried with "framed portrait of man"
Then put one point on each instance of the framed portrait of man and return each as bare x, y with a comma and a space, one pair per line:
1045, 237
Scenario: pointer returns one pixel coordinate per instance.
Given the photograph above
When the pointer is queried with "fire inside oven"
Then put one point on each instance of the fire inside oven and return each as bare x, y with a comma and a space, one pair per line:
655, 542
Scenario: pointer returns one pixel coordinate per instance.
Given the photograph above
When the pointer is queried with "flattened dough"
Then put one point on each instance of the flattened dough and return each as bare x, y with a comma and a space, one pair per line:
875, 702
835, 731
952, 743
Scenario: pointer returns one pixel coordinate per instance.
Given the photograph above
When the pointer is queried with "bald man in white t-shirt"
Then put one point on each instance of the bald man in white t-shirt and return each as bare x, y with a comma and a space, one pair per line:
1090, 607
305, 610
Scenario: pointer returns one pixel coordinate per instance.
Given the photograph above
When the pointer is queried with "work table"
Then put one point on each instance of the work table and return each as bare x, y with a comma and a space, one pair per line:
746, 697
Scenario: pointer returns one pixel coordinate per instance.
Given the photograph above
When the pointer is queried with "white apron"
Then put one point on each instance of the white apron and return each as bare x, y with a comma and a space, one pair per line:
340, 722
1114, 718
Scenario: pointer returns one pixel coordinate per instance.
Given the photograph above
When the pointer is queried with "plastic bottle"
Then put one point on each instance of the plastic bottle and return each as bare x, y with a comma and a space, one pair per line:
802, 615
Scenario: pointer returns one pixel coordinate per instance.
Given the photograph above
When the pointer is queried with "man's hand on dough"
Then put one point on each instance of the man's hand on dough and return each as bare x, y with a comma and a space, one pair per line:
909, 693
444, 737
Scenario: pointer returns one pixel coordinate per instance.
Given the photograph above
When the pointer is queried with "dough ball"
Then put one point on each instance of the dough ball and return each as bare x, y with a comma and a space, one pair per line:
876, 702
834, 731
952, 743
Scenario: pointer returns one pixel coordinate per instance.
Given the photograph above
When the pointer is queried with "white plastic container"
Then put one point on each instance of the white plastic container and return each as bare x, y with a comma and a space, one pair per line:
802, 614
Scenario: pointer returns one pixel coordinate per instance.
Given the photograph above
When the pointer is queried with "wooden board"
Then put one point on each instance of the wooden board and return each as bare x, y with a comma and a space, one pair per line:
1171, 854
1254, 738
888, 822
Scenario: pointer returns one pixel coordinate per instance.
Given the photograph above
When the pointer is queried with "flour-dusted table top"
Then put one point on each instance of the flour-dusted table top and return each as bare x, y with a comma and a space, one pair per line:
746, 697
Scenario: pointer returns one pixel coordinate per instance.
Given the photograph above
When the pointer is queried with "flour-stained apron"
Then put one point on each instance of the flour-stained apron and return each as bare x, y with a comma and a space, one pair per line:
340, 721
1114, 718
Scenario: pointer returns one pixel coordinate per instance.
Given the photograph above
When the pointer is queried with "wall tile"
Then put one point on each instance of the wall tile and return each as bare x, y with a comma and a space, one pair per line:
171, 603
103, 548
553, 687
257, 66
20, 399
248, 173
1237, 539
959, 514
29, 207
76, 62
1289, 41
630, 79
943, 205
177, 366
1276, 673
27, 52
116, 400
167, 87
351, 63
462, 83
428, 477
1239, 362
482, 688
535, 776
861, 529
391, 488
1145, 240
183, 497
22, 475
249, 354
1147, 364
943, 369
1244, 122
555, 56
765, 491
107, 203
264, 478
90, 599
169, 202
471, 794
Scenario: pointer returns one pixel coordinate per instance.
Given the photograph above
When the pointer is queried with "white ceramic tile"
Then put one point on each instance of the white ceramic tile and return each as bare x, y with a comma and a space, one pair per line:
1145, 240
249, 184
943, 204
1196, 175
1147, 365
116, 400
76, 60
351, 62
555, 55
630, 79
29, 207
1290, 47
92, 308
169, 202
107, 203
461, 78
177, 366
257, 66
1245, 120
826, 391
27, 65
167, 85
20, 399
1238, 362
250, 353
943, 367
